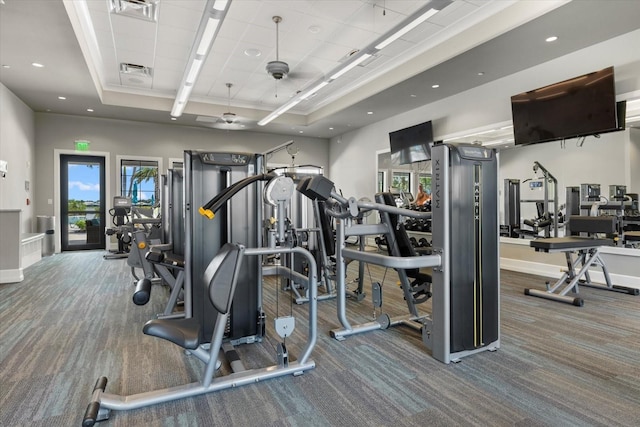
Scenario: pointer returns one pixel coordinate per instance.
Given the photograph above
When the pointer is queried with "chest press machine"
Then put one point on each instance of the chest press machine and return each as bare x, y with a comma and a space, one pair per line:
587, 255
225, 282
465, 282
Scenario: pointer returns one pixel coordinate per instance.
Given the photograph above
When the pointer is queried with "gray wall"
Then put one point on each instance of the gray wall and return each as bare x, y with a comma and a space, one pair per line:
353, 155
119, 137
17, 142
634, 160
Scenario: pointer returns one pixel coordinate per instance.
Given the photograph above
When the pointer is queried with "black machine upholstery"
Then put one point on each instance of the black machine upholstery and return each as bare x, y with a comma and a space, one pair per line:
183, 332
568, 243
593, 224
421, 285
580, 224
326, 229
221, 276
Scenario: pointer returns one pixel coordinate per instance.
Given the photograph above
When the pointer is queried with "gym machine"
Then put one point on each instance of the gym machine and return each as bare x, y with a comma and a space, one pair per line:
299, 216
620, 204
221, 278
466, 276
120, 217
511, 208
546, 218
162, 262
239, 220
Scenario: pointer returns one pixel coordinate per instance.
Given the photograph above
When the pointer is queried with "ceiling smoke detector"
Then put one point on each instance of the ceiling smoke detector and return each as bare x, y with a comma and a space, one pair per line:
277, 69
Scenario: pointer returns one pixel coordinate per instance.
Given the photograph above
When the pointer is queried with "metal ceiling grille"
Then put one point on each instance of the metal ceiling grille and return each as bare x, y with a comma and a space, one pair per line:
141, 9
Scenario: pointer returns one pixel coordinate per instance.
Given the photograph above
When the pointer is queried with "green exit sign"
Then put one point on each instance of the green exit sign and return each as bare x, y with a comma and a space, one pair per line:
82, 145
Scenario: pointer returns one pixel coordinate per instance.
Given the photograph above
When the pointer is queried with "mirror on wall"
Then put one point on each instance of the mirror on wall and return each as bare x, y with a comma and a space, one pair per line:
402, 178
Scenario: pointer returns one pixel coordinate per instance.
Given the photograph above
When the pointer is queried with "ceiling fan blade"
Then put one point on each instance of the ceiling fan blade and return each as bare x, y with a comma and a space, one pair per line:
207, 119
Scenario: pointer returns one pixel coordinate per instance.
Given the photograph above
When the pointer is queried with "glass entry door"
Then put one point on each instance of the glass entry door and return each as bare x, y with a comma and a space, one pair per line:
82, 205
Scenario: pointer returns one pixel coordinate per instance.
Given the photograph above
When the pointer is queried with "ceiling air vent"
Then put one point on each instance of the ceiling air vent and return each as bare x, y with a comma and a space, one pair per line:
141, 9
138, 70
135, 75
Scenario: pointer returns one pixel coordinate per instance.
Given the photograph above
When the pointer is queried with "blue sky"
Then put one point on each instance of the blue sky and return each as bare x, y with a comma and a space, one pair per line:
84, 182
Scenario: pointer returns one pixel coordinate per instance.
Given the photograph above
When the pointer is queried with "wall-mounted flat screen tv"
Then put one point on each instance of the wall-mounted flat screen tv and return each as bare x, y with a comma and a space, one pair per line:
412, 144
584, 105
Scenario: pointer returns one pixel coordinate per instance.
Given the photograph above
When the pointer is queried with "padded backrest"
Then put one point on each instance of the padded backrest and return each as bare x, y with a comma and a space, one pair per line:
400, 232
326, 229
593, 224
222, 275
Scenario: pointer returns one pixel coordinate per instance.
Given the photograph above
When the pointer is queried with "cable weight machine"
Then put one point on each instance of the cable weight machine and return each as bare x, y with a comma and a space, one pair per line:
465, 260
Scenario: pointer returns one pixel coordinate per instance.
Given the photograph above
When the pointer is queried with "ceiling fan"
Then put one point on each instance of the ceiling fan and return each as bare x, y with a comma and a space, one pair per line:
277, 69
228, 120
280, 70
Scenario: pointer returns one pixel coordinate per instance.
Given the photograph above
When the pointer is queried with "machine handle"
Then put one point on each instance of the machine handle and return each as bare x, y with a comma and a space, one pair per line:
91, 414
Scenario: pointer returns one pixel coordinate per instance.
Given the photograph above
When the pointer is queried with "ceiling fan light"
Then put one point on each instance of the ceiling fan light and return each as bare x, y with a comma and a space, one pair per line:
229, 117
277, 69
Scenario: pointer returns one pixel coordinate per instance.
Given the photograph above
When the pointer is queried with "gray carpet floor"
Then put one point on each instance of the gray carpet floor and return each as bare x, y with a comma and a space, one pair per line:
72, 320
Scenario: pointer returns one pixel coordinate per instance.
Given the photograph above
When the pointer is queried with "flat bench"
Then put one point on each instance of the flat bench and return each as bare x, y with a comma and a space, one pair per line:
587, 250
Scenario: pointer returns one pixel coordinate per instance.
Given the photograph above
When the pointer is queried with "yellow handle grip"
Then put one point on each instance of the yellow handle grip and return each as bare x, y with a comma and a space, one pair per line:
206, 212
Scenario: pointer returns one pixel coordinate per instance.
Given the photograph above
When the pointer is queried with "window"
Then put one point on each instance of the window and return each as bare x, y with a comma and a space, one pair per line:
425, 180
401, 181
381, 181
139, 179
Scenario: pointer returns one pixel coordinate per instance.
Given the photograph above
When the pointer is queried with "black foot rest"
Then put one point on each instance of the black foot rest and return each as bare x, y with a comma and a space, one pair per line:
423, 251
174, 260
632, 236
183, 332
421, 288
142, 294
168, 258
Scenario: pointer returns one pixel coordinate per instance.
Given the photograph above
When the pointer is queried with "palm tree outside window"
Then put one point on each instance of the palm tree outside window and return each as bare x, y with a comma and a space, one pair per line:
140, 181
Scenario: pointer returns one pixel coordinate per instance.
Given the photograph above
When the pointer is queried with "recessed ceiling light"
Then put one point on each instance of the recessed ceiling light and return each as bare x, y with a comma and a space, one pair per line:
90, 110
301, 131
37, 64
435, 86
369, 112
330, 128
413, 96
252, 52
62, 98
6, 66
481, 73
173, 118
551, 39
314, 29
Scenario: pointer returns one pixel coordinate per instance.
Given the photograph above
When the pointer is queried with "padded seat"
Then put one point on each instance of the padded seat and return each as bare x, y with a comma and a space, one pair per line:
568, 243
221, 275
183, 332
421, 284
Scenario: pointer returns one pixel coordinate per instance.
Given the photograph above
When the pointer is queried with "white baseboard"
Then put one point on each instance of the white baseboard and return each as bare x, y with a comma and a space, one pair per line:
11, 276
556, 271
